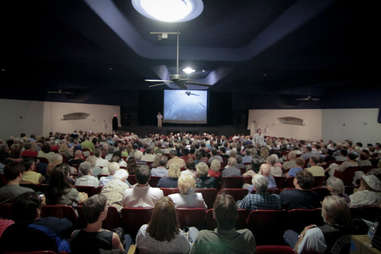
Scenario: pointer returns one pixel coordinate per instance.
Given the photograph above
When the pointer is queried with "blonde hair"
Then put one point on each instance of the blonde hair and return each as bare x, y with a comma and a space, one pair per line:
174, 170
112, 167
202, 168
215, 165
232, 161
186, 183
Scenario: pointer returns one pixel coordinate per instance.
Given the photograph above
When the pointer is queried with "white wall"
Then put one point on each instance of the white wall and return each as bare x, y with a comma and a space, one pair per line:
18, 116
358, 125
268, 120
39, 118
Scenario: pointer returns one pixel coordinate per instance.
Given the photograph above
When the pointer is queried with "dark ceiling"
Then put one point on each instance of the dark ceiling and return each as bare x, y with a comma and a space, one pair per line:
286, 47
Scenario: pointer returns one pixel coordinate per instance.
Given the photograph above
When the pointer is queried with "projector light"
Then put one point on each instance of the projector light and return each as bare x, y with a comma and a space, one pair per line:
188, 70
169, 10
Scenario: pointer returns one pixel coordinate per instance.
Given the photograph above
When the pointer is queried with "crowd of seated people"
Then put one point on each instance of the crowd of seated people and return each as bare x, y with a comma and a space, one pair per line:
62, 162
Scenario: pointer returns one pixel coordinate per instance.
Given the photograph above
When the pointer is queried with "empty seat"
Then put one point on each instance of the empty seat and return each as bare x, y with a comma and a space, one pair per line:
169, 191
267, 226
232, 182
133, 218
188, 217
237, 193
299, 218
209, 195
274, 249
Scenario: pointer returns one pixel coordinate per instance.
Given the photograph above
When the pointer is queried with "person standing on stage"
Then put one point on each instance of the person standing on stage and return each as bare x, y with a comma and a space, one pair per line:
115, 122
159, 117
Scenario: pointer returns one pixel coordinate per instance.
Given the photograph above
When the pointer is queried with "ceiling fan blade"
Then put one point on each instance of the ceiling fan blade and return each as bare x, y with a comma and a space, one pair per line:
161, 84
162, 72
198, 83
156, 80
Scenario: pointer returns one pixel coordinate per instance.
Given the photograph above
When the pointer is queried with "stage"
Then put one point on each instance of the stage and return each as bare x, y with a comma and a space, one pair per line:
227, 130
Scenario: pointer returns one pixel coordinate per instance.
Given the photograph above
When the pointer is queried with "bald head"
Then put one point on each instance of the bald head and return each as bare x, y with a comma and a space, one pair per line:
265, 169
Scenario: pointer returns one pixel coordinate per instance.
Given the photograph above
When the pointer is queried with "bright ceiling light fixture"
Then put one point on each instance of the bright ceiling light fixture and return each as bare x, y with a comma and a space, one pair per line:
169, 10
188, 70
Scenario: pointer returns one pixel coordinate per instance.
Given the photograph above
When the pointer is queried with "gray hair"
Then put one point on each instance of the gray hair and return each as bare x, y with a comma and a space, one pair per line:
84, 168
335, 185
113, 166
260, 183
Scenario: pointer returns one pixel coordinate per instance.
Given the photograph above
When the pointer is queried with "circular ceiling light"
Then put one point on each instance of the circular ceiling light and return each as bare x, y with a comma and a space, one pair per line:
188, 70
169, 10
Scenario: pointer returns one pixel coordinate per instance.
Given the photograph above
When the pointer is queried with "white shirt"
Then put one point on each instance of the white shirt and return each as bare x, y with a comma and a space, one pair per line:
276, 171
313, 240
147, 244
87, 180
365, 198
191, 200
142, 196
159, 171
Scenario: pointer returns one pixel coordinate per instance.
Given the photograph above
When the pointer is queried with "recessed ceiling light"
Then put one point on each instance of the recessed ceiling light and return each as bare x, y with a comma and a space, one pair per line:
188, 70
169, 10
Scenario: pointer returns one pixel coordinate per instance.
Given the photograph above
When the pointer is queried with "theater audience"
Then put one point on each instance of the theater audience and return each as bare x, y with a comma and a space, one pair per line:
299, 167
276, 170
162, 234
187, 197
369, 192
302, 196
13, 173
112, 168
86, 179
291, 163
364, 160
350, 162
214, 170
174, 159
161, 170
225, 238
333, 237
60, 191
170, 181
30, 176
203, 181
93, 237
314, 169
101, 163
261, 199
114, 189
31, 232
336, 187
141, 194
231, 169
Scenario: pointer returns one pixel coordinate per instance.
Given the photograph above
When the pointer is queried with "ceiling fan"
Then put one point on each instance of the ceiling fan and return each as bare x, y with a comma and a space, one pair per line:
176, 81
308, 98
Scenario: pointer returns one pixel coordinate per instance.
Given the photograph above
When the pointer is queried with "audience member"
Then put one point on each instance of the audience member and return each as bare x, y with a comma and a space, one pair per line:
231, 169
13, 172
161, 170
214, 170
369, 192
224, 239
162, 234
314, 169
299, 167
170, 181
93, 237
141, 194
333, 237
302, 196
187, 197
86, 179
31, 232
336, 187
30, 176
203, 181
261, 199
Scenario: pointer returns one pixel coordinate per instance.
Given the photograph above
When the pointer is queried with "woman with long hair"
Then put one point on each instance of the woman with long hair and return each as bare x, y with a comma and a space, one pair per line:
162, 234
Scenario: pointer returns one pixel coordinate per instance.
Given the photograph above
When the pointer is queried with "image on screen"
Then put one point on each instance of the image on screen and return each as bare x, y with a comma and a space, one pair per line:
185, 106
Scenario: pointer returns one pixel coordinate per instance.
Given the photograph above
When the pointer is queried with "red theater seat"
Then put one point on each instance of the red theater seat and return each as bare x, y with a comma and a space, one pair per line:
237, 193
209, 195
60, 211
274, 249
188, 217
133, 218
232, 182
